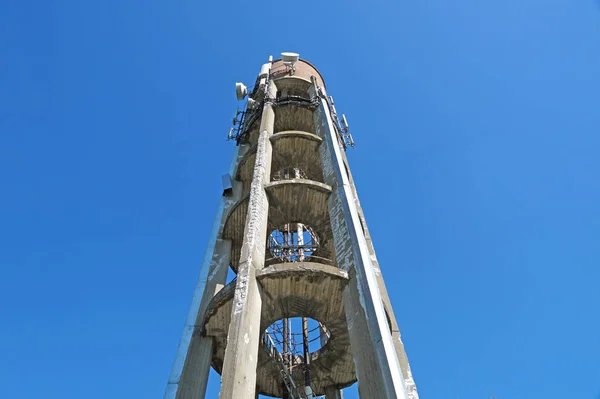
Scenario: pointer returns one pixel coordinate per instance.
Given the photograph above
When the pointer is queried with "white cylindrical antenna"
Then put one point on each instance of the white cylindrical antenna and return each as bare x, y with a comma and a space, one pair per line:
270, 58
264, 70
332, 105
345, 122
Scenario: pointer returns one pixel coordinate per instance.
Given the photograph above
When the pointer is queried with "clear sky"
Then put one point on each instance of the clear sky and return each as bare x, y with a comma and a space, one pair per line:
477, 128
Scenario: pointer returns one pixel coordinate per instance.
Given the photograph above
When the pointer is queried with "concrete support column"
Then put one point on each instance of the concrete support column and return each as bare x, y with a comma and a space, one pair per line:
189, 374
194, 377
377, 366
409, 382
333, 393
238, 379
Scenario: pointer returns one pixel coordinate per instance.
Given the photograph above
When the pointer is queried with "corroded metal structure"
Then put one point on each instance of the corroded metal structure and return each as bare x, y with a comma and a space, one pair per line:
292, 229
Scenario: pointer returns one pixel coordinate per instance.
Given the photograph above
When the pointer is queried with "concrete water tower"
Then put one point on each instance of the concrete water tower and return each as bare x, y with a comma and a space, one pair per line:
308, 312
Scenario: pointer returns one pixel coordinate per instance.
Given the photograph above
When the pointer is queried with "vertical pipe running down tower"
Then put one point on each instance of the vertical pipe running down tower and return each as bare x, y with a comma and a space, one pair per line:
293, 231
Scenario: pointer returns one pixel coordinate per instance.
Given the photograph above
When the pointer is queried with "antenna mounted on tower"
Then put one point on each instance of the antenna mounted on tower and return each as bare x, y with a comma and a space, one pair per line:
241, 91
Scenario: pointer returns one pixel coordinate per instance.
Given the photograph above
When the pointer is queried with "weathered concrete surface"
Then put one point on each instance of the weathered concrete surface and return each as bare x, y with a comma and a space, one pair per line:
189, 374
298, 201
293, 117
241, 353
253, 133
297, 150
293, 86
409, 382
377, 366
235, 224
291, 149
292, 290
290, 201
245, 170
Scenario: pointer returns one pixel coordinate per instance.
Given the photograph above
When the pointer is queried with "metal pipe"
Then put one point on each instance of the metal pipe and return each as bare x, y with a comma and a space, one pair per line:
286, 240
286, 337
286, 364
300, 230
324, 334
306, 352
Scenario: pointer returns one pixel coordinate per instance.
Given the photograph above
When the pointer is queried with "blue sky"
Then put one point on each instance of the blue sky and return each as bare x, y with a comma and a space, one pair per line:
477, 165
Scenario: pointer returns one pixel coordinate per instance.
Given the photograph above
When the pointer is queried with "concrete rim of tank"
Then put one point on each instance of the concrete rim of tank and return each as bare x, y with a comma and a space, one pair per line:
287, 81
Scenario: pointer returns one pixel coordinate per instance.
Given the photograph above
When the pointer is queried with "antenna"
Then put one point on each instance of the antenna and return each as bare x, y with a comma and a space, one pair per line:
241, 91
290, 59
344, 123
